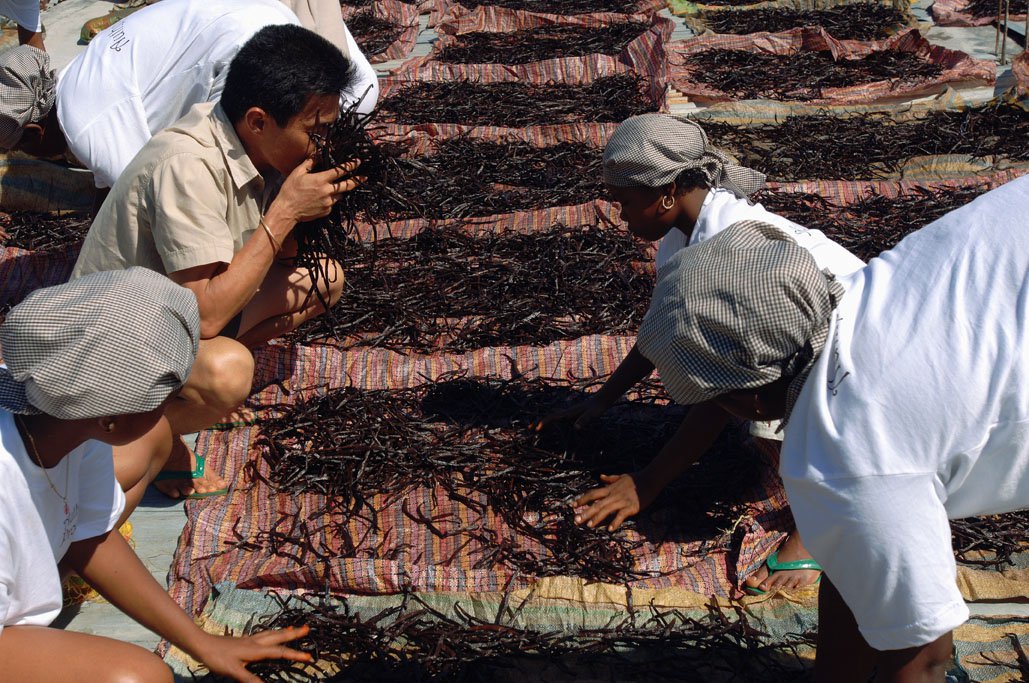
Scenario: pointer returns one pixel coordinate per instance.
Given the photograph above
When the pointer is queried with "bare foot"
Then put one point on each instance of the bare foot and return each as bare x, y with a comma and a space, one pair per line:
240, 417
790, 551
181, 459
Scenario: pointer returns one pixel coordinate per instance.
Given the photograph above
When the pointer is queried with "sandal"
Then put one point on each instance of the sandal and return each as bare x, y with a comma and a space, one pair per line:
774, 565
198, 472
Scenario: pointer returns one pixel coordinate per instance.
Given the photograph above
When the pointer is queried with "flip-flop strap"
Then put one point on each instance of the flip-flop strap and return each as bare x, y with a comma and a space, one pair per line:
774, 565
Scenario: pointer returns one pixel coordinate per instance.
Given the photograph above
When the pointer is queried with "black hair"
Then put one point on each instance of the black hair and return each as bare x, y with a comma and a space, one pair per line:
691, 179
279, 69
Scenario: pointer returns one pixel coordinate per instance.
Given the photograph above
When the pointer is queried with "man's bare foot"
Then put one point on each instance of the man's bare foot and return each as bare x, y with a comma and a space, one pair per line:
785, 579
182, 459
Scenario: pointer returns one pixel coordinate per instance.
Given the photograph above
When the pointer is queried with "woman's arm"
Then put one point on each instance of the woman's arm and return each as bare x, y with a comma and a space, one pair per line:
626, 494
109, 565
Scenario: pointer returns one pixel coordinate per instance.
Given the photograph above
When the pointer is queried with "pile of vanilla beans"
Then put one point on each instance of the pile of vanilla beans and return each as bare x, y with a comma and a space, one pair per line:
447, 290
857, 21
873, 223
742, 74
43, 232
514, 104
414, 641
468, 439
872, 145
990, 541
538, 44
989, 8
373, 33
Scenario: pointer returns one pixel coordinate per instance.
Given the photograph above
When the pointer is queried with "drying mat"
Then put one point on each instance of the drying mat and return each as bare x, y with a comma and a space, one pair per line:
644, 53
410, 554
952, 13
698, 22
958, 67
234, 610
595, 134
22, 272
519, 221
444, 10
687, 8
28, 184
987, 649
400, 14
847, 192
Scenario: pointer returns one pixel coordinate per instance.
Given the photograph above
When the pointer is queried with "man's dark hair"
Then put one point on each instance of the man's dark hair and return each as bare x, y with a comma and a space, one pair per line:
279, 69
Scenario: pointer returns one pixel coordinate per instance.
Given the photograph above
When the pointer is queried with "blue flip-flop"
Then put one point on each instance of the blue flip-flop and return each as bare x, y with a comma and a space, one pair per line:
774, 565
196, 473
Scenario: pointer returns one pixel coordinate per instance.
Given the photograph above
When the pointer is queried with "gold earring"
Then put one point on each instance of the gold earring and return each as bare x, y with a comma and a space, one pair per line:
671, 202
109, 427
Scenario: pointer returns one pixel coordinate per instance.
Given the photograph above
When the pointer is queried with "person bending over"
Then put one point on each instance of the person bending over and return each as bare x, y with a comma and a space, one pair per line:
145, 72
90, 366
212, 202
905, 390
672, 185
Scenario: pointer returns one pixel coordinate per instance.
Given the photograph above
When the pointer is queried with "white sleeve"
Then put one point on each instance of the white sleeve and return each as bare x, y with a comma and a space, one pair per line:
367, 80
884, 542
101, 499
25, 13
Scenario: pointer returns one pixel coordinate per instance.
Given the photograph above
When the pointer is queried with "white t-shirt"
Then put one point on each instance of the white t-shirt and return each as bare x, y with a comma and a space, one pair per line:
25, 13
721, 208
35, 532
916, 412
143, 73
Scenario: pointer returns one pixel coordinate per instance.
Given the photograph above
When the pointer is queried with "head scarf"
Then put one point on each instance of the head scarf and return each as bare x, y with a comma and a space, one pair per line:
738, 311
109, 343
27, 90
651, 150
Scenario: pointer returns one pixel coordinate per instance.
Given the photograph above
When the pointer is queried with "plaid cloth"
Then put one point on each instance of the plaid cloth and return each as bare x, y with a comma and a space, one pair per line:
697, 21
110, 343
27, 91
957, 66
443, 10
651, 150
739, 311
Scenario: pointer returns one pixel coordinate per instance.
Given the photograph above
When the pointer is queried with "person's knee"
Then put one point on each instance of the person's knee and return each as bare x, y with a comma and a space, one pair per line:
226, 371
332, 288
140, 666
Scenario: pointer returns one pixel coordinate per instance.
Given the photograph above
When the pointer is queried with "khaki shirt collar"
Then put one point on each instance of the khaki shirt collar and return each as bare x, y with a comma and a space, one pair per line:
241, 169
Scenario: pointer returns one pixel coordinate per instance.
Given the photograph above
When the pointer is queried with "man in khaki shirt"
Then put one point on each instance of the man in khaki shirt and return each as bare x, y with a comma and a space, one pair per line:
198, 204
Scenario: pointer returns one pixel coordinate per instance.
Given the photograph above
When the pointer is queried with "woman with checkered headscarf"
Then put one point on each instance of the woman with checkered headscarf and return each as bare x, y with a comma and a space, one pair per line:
89, 367
905, 391
673, 185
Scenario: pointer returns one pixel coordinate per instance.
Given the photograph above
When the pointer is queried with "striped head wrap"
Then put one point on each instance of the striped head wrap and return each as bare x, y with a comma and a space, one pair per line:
651, 150
738, 311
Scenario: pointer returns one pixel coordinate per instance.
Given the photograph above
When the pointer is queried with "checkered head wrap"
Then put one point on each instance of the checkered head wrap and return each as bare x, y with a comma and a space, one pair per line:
651, 150
738, 311
109, 343
27, 90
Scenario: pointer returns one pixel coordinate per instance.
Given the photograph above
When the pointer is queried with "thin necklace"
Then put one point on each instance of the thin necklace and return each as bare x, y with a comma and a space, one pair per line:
35, 452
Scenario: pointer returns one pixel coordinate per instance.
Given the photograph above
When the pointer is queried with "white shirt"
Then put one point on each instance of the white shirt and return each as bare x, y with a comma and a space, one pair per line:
721, 208
35, 532
916, 412
143, 73
25, 13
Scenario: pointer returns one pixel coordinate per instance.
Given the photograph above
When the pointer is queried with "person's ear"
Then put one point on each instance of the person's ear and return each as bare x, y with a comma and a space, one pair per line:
256, 120
33, 129
107, 424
